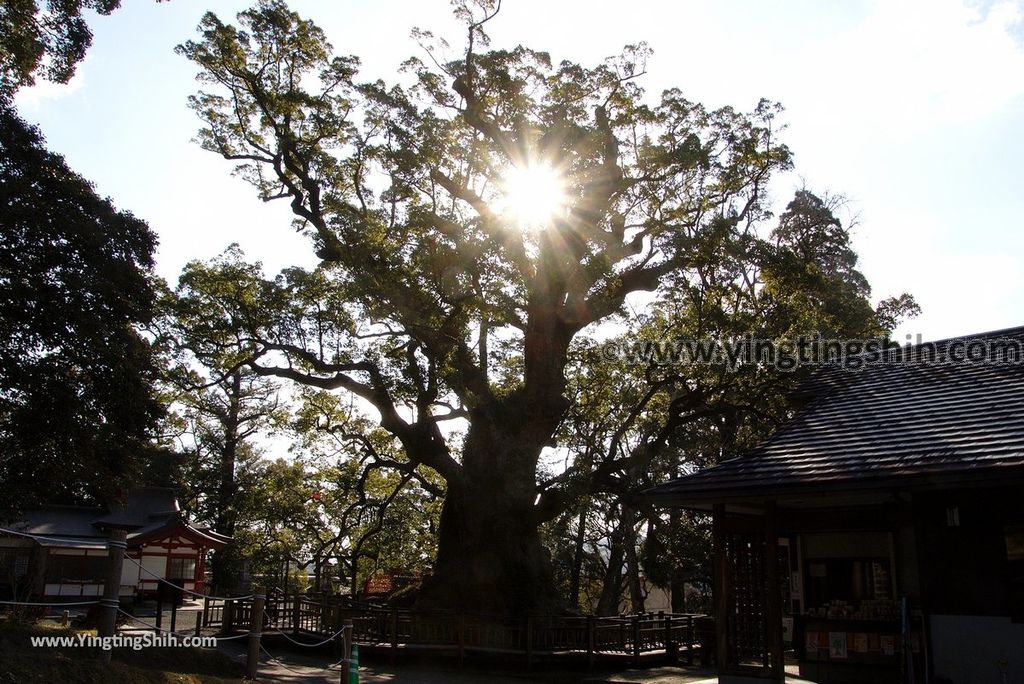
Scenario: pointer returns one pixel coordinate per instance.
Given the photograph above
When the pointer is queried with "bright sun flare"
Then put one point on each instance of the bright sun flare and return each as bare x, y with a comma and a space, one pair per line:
533, 194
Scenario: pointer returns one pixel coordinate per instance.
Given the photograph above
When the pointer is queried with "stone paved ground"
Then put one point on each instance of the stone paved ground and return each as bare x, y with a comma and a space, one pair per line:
290, 667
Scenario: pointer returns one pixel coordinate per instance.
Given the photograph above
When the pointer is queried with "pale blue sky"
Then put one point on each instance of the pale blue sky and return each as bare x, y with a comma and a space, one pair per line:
914, 110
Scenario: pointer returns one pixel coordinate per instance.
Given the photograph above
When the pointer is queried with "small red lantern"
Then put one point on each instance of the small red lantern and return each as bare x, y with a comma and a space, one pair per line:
316, 496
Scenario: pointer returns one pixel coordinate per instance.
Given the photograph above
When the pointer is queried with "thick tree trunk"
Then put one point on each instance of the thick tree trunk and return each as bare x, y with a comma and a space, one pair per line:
490, 558
677, 586
226, 565
577, 559
226, 568
636, 591
611, 589
354, 579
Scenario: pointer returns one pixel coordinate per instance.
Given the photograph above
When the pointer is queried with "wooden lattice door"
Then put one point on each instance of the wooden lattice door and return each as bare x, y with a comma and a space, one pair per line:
745, 554
748, 600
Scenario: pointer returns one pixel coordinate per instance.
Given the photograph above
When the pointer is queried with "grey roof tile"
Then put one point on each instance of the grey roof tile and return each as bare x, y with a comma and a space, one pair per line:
881, 426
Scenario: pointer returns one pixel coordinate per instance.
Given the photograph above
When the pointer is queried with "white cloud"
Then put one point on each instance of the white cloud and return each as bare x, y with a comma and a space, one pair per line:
923, 62
43, 92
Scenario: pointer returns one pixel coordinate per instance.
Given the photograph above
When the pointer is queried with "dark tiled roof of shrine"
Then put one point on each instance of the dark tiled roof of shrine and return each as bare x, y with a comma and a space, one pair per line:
900, 425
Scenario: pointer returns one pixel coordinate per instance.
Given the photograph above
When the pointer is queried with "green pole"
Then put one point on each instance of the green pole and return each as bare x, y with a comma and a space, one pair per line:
353, 676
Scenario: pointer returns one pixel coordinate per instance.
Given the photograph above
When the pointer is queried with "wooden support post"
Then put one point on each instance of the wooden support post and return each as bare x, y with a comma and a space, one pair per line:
591, 641
296, 615
206, 611
773, 597
721, 588
339, 652
346, 660
112, 587
394, 635
671, 647
199, 623
636, 641
255, 627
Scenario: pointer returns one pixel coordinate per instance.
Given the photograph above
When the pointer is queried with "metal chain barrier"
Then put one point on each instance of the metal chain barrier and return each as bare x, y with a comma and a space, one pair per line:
305, 645
277, 660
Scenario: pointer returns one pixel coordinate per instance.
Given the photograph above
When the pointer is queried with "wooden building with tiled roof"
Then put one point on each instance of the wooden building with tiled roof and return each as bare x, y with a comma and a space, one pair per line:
888, 516
60, 552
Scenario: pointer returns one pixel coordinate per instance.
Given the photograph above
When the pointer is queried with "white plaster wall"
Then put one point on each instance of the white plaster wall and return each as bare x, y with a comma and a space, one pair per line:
154, 567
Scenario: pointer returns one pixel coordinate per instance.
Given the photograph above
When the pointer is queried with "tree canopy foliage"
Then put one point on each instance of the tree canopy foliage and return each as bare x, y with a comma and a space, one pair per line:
365, 516
76, 401
44, 39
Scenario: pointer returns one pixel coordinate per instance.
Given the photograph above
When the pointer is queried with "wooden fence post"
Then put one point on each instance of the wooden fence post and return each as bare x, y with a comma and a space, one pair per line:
671, 647
159, 605
297, 615
591, 641
206, 611
174, 609
255, 625
227, 618
394, 635
346, 668
112, 588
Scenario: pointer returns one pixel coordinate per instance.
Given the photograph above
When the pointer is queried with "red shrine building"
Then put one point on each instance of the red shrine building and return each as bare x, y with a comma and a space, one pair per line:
60, 552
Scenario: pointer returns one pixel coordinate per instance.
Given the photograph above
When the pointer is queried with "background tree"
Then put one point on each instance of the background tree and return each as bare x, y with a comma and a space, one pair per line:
225, 419
661, 414
76, 378
340, 521
377, 506
44, 39
226, 410
372, 509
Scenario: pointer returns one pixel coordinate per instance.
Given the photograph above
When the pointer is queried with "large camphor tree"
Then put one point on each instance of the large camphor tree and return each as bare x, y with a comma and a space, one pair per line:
471, 222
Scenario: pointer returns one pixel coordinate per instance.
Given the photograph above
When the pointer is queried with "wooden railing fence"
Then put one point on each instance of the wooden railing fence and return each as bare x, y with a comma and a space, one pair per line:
394, 628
